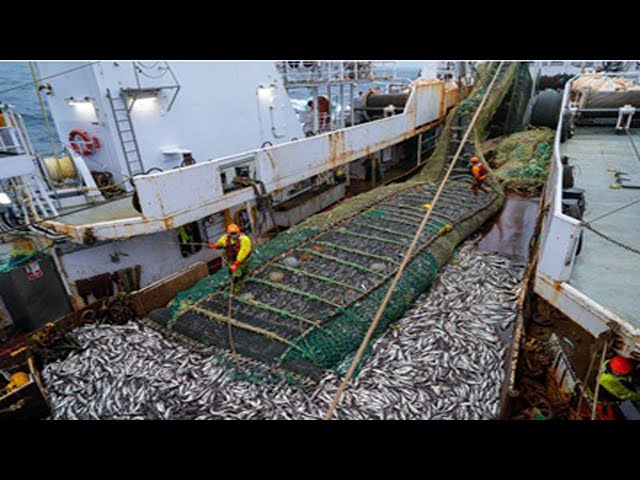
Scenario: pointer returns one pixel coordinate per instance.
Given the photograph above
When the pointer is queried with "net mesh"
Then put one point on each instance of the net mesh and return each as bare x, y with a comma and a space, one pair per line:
313, 290
522, 160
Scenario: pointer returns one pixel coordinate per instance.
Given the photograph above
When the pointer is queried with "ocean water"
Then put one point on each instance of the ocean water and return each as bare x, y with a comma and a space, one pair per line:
25, 100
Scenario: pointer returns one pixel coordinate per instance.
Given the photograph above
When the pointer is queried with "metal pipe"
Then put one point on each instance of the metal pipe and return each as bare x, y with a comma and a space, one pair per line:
316, 123
43, 232
597, 389
328, 118
374, 168
342, 106
353, 113
252, 224
581, 110
43, 110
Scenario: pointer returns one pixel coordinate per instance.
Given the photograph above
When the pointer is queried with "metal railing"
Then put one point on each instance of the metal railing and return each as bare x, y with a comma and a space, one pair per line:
13, 137
562, 232
344, 112
150, 79
300, 72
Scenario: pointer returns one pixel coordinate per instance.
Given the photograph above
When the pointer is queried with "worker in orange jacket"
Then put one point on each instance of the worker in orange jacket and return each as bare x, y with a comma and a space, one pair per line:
480, 174
237, 250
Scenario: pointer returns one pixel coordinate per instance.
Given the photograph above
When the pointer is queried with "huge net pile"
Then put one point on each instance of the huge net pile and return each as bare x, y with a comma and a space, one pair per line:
522, 161
313, 290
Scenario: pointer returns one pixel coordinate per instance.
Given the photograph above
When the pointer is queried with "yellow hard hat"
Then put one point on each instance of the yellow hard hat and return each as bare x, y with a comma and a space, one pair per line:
233, 228
17, 380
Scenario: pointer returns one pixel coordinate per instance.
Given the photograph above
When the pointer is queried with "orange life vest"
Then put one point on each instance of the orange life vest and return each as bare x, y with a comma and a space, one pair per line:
479, 171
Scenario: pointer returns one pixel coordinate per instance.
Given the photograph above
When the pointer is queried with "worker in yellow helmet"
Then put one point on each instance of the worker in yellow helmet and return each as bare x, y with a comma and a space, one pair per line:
237, 250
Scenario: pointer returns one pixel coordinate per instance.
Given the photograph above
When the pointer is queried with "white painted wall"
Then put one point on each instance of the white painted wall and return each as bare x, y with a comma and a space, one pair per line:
91, 117
220, 110
283, 165
158, 254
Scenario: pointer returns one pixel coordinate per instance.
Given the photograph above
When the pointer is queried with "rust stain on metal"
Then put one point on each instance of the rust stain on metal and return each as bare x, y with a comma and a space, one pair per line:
169, 222
24, 244
271, 159
76, 302
557, 292
89, 238
337, 153
160, 203
420, 82
61, 228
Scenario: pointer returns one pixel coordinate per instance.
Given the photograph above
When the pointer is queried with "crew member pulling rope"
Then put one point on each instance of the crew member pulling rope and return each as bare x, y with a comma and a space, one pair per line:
237, 250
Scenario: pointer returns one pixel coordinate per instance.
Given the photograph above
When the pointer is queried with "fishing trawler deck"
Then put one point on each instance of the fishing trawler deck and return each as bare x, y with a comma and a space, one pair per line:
603, 271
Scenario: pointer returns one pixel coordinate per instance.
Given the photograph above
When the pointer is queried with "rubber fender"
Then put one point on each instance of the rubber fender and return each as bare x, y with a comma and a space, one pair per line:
545, 111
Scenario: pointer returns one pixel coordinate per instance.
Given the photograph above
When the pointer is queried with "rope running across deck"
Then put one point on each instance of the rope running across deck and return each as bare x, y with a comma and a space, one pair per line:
407, 256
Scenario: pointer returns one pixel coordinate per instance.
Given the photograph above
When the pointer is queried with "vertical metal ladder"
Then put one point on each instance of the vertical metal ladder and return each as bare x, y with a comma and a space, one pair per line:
127, 136
37, 197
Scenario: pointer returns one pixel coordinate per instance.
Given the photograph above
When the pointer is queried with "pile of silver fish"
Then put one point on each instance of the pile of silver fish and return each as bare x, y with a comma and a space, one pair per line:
442, 360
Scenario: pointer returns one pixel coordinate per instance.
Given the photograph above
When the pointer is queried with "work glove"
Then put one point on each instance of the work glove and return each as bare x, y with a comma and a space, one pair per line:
214, 246
234, 266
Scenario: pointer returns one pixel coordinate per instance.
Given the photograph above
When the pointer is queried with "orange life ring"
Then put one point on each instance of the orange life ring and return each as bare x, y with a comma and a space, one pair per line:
90, 144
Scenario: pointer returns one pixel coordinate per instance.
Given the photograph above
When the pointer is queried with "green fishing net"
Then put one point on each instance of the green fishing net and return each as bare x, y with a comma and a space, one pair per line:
313, 290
